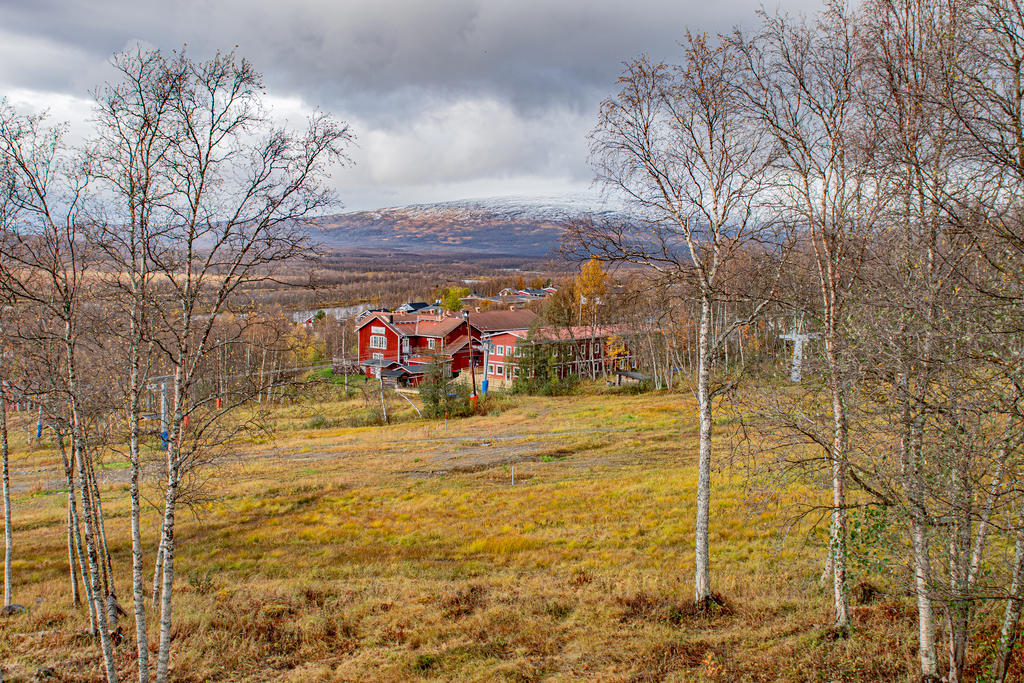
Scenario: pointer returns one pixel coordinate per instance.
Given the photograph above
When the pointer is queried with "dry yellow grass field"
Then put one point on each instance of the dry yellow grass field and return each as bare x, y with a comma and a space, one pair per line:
404, 552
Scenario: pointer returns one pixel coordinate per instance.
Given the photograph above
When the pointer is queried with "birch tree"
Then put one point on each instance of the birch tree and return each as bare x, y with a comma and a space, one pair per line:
237, 193
984, 92
804, 77
131, 157
45, 261
677, 145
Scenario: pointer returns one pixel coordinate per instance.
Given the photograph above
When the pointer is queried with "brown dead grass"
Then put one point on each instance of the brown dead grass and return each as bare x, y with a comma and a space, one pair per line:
336, 555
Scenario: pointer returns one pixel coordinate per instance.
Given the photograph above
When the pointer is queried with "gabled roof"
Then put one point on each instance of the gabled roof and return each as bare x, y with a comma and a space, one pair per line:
381, 317
378, 362
427, 326
438, 328
412, 306
579, 332
403, 370
501, 321
519, 334
457, 344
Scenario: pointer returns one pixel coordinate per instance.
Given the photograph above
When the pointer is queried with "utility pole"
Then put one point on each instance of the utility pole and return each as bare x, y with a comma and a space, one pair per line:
487, 360
472, 364
163, 416
344, 359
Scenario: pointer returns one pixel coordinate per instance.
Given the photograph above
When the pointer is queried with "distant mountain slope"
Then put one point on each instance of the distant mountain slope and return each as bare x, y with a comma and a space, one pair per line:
527, 227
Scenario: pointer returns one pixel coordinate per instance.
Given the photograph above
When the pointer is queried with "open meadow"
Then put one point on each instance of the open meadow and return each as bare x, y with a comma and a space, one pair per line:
404, 552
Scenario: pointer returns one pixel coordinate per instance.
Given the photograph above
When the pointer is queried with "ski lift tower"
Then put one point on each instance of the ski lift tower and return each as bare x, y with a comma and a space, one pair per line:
160, 384
799, 339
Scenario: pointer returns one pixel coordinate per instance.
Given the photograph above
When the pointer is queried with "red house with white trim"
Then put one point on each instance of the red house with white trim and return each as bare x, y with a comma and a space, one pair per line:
399, 347
581, 350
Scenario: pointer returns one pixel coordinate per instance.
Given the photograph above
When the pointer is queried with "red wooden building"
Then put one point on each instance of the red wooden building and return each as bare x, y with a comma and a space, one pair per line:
399, 347
582, 350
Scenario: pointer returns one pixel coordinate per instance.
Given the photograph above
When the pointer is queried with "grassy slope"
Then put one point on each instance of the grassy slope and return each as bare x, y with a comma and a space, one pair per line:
333, 554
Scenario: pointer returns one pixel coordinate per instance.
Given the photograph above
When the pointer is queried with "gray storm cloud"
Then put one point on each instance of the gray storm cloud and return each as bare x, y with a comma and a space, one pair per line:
442, 94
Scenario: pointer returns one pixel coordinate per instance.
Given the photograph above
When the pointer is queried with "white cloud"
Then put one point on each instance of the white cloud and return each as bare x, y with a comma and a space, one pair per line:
60, 108
447, 96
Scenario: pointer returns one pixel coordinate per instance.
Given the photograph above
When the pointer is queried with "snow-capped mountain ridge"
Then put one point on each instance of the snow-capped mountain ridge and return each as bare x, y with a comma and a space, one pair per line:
507, 226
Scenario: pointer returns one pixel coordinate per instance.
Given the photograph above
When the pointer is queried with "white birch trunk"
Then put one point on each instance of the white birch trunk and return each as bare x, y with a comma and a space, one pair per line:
106, 570
78, 450
1011, 616
158, 570
75, 535
138, 586
837, 534
702, 574
72, 552
163, 657
8, 528
925, 609
94, 591
167, 575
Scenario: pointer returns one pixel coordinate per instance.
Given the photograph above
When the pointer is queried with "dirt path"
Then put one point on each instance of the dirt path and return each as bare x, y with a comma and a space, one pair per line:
436, 458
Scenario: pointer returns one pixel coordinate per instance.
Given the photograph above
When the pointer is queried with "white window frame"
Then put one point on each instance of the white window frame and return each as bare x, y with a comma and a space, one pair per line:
378, 356
378, 341
500, 367
430, 342
490, 369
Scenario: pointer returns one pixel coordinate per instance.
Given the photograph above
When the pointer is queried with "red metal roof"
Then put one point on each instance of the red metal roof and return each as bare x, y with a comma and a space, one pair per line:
500, 321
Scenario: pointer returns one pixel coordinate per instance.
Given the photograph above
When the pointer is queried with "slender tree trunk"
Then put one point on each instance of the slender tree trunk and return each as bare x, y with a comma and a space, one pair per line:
78, 449
72, 551
95, 587
8, 528
138, 585
163, 657
106, 565
827, 573
1011, 616
920, 551
958, 608
167, 574
840, 464
702, 575
925, 609
76, 532
158, 571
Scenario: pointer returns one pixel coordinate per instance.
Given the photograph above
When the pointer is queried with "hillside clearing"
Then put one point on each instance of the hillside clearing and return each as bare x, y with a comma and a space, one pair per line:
404, 552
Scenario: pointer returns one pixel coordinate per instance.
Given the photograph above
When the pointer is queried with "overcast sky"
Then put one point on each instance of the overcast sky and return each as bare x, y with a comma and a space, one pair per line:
449, 99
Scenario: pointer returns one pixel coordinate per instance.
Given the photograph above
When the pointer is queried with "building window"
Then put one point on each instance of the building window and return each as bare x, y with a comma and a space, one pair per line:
377, 329
501, 370
490, 369
430, 343
499, 350
378, 356
519, 351
378, 341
